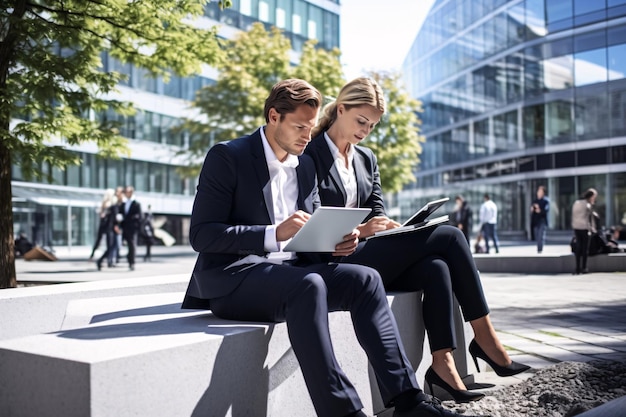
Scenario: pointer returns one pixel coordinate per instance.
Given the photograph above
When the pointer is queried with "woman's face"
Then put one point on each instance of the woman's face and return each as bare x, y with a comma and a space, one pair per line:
355, 124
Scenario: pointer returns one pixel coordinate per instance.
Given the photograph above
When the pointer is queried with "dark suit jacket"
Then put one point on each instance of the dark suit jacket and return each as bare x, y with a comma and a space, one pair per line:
233, 204
331, 189
132, 218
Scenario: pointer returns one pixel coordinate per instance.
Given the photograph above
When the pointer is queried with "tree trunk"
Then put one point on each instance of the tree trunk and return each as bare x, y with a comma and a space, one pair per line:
7, 242
8, 278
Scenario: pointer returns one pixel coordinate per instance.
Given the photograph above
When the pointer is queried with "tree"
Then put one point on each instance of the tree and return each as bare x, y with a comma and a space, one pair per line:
51, 79
396, 141
255, 61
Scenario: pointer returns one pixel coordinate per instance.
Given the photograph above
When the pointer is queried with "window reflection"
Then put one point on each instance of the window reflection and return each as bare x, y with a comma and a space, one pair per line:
590, 67
616, 62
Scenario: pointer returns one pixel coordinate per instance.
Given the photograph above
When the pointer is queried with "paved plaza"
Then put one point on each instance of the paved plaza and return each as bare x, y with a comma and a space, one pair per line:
541, 319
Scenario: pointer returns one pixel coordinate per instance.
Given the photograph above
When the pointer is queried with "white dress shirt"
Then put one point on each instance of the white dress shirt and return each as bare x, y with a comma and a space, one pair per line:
284, 188
347, 174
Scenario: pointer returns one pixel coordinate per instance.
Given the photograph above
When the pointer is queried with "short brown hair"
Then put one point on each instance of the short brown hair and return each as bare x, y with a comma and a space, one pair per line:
287, 95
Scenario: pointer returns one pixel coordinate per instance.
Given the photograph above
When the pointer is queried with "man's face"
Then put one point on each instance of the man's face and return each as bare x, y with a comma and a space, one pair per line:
292, 134
540, 193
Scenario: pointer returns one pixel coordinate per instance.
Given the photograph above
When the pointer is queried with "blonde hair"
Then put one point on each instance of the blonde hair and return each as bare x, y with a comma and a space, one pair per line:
109, 199
358, 92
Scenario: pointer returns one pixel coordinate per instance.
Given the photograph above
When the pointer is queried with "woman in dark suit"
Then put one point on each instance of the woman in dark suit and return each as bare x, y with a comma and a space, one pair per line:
436, 260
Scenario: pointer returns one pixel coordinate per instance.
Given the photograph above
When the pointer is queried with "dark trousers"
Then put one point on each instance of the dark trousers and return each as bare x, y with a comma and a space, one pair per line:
539, 231
102, 231
490, 232
109, 254
436, 260
582, 249
130, 237
302, 297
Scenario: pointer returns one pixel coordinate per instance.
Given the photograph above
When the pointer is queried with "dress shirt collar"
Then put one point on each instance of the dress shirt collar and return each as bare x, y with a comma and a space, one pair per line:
292, 161
335, 150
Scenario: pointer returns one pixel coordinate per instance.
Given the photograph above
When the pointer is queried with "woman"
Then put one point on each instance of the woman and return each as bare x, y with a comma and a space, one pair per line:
436, 260
111, 228
583, 224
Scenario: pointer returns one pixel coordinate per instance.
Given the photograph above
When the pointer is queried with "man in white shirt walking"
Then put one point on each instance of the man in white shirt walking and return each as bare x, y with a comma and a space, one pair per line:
488, 220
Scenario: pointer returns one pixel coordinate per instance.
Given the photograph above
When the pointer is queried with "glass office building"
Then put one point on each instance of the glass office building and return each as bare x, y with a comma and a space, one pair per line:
518, 94
65, 213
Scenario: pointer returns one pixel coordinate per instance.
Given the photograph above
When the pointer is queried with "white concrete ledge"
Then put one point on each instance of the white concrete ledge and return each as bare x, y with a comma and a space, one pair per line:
140, 355
547, 263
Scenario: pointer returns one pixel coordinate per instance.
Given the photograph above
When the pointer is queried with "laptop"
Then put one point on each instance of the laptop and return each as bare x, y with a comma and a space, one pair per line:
326, 228
419, 220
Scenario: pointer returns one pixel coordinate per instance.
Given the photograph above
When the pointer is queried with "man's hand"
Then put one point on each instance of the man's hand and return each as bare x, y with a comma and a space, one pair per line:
349, 244
290, 226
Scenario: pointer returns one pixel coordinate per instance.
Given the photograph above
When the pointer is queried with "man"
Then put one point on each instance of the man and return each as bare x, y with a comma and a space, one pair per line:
254, 193
488, 222
539, 217
463, 216
131, 212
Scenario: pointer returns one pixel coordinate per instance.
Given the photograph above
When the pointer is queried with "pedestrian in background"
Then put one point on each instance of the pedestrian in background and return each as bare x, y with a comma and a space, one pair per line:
147, 233
463, 216
583, 223
109, 216
102, 213
121, 198
539, 217
131, 210
489, 223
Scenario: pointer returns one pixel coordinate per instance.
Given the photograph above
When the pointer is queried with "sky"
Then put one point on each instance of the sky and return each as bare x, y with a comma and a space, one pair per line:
377, 35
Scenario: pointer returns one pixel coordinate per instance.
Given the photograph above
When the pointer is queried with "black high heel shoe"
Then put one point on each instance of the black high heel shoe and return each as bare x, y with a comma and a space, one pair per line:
460, 396
513, 369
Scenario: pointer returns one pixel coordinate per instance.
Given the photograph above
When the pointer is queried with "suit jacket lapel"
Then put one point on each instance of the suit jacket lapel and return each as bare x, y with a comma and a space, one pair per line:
328, 160
259, 164
360, 168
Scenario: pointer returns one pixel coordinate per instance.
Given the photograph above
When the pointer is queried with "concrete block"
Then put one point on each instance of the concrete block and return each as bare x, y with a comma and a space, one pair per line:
46, 304
141, 355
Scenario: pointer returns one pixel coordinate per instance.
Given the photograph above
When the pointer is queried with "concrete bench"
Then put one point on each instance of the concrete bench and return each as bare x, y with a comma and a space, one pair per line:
548, 263
142, 355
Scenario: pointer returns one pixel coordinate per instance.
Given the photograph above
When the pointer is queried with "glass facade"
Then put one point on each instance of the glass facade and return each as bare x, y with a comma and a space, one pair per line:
518, 94
65, 212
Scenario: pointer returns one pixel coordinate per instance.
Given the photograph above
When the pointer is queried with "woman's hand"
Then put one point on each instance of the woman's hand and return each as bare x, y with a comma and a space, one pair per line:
377, 224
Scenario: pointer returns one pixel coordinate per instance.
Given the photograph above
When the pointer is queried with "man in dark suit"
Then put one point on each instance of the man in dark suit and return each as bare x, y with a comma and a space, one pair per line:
463, 216
254, 193
131, 212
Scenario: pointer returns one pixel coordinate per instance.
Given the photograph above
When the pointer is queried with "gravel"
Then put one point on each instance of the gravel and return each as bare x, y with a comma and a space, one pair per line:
562, 390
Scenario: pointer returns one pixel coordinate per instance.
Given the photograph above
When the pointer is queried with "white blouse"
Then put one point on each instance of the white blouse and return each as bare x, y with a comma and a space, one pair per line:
347, 174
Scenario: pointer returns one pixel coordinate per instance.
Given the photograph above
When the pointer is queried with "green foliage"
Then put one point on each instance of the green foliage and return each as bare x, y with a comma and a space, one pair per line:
254, 62
396, 141
52, 83
51, 70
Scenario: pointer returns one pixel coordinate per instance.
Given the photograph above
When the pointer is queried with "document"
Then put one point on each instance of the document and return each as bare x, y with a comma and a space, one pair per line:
326, 228
418, 221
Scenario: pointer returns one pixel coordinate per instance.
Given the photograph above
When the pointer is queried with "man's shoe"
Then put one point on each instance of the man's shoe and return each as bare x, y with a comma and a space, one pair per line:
430, 408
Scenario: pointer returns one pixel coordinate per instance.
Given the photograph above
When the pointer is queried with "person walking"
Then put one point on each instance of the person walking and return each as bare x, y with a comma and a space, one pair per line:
539, 217
147, 233
583, 223
436, 260
488, 216
131, 212
121, 198
463, 216
102, 220
111, 228
254, 193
